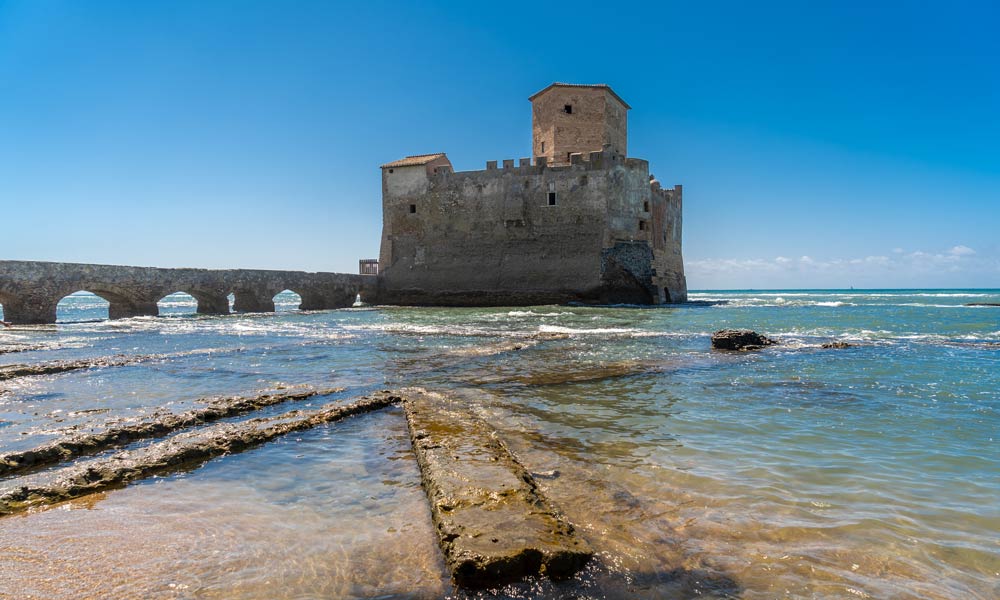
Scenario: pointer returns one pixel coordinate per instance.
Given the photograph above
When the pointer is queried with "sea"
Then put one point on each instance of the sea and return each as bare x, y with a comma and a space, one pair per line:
796, 471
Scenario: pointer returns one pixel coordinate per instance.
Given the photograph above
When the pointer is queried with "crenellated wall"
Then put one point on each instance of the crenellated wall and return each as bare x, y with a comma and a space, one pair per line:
492, 237
30, 291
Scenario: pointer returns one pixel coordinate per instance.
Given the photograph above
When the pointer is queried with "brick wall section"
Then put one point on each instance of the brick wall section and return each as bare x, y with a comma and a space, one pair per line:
598, 119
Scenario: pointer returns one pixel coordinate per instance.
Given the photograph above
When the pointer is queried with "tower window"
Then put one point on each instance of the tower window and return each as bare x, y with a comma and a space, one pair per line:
645, 206
642, 226
413, 208
543, 147
552, 198
568, 109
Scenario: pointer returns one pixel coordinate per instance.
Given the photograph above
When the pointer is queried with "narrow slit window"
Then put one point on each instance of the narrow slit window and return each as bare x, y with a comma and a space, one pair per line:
413, 208
568, 109
543, 147
552, 198
642, 226
645, 206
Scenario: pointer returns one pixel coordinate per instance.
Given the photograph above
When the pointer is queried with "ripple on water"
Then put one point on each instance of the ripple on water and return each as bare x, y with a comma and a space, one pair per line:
335, 512
793, 472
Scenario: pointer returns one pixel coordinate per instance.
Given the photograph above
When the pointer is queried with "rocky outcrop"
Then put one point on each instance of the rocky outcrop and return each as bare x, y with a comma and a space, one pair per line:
64, 366
493, 523
183, 451
837, 345
12, 348
740, 339
79, 445
983, 304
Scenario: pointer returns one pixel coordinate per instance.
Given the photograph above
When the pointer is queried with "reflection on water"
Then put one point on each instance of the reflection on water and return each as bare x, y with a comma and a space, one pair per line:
869, 471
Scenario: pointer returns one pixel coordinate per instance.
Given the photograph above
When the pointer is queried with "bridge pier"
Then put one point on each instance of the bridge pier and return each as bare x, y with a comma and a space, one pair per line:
127, 309
252, 301
313, 301
30, 310
212, 303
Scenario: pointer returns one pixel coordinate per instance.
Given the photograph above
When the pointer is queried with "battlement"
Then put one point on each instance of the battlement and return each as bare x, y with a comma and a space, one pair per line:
600, 159
579, 220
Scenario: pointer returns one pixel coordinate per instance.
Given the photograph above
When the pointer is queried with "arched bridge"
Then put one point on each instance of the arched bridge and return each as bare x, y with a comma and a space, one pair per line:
30, 291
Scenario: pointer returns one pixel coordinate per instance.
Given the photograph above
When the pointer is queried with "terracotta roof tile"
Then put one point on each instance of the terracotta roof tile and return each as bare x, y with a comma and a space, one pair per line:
580, 85
413, 161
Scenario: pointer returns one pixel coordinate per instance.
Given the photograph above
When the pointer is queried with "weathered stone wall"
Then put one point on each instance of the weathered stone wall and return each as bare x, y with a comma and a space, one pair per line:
30, 291
598, 119
668, 222
491, 237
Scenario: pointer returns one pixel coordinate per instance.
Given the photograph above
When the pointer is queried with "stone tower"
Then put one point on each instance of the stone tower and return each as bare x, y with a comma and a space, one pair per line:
571, 118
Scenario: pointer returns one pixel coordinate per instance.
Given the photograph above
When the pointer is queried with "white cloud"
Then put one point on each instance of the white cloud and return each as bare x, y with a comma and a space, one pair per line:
961, 251
958, 266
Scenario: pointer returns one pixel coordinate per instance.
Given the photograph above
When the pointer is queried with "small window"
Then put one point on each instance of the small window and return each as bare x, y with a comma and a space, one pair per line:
552, 198
569, 157
543, 147
413, 208
642, 226
390, 170
645, 206
568, 109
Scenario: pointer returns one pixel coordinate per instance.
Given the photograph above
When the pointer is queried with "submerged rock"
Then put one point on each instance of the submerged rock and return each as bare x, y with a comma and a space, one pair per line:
90, 443
64, 366
983, 304
740, 339
493, 523
183, 451
11, 348
838, 344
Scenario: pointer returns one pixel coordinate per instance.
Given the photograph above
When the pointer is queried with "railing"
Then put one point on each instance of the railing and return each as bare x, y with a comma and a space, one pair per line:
368, 266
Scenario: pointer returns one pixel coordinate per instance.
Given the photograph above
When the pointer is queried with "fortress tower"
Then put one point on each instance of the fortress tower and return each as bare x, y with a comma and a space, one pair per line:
582, 222
569, 118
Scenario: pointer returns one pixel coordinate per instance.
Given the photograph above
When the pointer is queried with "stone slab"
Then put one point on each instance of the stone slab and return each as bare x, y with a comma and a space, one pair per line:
493, 523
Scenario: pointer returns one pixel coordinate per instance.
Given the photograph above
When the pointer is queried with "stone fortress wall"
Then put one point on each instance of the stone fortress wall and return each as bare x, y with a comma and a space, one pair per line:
581, 226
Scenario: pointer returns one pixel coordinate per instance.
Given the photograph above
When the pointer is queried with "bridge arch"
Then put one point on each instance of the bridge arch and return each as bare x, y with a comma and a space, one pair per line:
208, 301
177, 303
287, 300
85, 305
5, 299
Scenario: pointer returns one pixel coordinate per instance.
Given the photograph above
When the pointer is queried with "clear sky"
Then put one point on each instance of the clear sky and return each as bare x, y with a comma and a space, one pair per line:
820, 144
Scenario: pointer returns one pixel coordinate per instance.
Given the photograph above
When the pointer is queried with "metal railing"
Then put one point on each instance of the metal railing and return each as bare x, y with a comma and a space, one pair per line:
368, 266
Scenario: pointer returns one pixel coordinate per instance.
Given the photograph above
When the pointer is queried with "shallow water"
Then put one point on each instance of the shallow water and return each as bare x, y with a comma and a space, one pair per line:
871, 471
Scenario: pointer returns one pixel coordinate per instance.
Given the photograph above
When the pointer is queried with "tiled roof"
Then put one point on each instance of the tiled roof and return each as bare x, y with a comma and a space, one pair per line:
581, 85
413, 161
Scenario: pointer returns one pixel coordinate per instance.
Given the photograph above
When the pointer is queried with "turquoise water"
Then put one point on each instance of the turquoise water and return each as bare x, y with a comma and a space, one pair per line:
797, 471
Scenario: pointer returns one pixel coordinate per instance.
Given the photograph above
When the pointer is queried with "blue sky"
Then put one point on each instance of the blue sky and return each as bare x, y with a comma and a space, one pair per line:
821, 144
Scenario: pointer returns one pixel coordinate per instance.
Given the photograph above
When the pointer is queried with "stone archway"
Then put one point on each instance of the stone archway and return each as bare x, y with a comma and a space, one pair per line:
177, 303
82, 306
287, 300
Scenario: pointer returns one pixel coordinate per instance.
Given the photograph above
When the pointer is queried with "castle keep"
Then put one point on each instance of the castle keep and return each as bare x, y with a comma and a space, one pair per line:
582, 222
